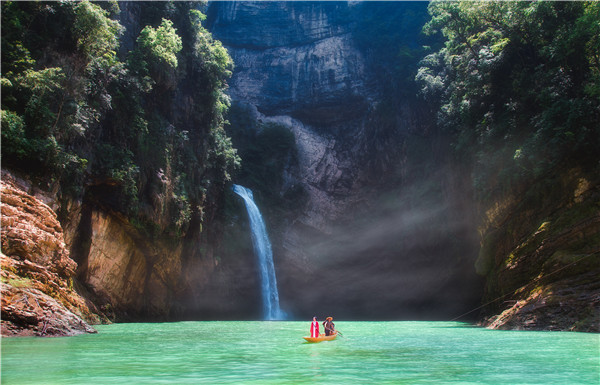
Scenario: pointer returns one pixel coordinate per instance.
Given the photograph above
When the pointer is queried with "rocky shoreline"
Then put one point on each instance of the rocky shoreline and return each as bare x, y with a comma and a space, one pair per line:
37, 273
541, 258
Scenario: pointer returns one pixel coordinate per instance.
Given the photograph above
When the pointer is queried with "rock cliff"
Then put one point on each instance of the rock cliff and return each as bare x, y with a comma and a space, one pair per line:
356, 211
372, 214
37, 273
132, 276
295, 59
297, 66
541, 255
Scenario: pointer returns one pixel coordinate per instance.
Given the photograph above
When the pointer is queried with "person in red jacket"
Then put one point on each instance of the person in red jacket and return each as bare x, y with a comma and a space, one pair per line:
314, 328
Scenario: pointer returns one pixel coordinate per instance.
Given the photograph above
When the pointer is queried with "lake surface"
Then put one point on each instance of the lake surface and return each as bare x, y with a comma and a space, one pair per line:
273, 352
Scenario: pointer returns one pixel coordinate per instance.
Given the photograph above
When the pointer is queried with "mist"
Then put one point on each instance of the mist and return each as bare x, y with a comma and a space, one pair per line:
404, 254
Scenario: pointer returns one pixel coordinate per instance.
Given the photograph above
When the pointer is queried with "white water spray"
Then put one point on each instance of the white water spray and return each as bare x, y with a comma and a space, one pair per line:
264, 253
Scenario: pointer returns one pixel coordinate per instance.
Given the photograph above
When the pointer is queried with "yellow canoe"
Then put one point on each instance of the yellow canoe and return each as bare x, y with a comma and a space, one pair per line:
321, 337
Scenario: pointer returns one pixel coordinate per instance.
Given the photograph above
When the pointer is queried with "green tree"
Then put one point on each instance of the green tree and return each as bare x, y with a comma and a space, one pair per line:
515, 84
156, 53
96, 34
212, 60
50, 102
160, 44
209, 53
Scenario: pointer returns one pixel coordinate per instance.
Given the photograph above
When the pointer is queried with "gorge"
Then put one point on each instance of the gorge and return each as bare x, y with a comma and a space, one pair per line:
400, 175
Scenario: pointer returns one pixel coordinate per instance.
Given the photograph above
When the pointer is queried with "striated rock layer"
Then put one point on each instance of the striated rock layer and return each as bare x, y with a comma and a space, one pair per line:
37, 273
120, 272
541, 256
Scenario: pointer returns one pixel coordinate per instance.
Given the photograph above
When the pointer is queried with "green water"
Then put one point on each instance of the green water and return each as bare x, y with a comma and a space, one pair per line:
275, 353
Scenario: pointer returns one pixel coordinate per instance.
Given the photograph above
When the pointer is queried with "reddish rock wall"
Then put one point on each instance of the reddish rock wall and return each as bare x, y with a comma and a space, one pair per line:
37, 273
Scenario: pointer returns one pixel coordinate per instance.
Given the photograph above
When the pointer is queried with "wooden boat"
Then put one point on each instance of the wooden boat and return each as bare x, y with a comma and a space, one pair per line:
321, 337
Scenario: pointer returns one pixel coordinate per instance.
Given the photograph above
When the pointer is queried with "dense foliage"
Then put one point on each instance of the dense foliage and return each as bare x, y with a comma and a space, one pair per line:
111, 126
517, 85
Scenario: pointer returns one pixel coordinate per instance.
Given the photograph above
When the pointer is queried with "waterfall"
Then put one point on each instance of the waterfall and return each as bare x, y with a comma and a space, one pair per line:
264, 253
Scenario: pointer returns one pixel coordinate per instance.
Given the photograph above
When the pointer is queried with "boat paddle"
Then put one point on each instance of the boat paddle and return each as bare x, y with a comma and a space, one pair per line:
336, 331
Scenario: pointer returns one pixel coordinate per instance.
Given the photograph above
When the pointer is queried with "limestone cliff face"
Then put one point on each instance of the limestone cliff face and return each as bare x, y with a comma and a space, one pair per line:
541, 256
37, 272
297, 65
357, 232
132, 276
140, 209
295, 59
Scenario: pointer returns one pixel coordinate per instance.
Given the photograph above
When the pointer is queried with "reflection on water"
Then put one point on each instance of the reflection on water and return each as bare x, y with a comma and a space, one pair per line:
315, 361
275, 353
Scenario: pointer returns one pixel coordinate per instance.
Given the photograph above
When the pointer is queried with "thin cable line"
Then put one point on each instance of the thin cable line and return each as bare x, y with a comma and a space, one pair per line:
532, 282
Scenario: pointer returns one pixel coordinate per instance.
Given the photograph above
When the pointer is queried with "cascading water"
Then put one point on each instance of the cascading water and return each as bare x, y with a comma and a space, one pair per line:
262, 249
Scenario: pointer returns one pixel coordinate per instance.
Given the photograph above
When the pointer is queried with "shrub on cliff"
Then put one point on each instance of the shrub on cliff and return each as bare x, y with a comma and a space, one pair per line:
155, 57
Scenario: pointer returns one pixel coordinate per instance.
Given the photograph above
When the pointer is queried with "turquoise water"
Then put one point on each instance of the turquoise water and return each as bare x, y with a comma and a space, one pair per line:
275, 353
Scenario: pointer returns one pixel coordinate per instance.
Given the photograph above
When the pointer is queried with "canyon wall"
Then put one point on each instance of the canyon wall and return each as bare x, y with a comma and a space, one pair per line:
373, 215
157, 262
369, 217
540, 254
